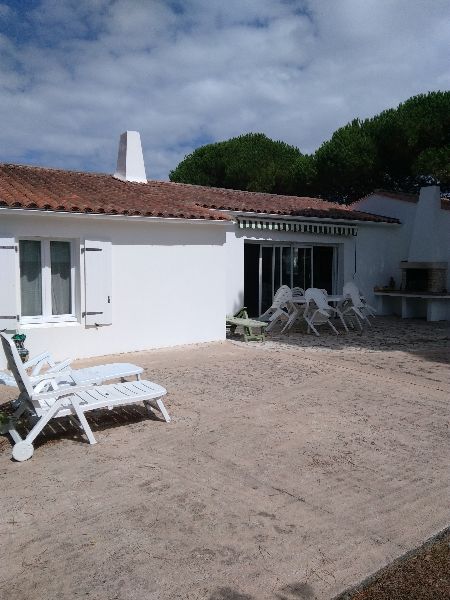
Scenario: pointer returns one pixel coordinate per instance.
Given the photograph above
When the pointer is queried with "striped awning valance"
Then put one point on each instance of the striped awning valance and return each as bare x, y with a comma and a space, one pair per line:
297, 226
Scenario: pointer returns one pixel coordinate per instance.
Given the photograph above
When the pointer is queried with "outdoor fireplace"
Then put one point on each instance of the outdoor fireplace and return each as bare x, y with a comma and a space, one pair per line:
428, 277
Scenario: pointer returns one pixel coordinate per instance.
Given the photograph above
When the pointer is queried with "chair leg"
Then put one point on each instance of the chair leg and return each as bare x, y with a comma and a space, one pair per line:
341, 316
311, 326
160, 406
289, 323
83, 421
17, 414
163, 410
333, 327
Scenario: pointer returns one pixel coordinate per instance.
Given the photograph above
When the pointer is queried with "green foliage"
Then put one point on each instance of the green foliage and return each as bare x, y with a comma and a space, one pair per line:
347, 163
250, 162
436, 162
395, 149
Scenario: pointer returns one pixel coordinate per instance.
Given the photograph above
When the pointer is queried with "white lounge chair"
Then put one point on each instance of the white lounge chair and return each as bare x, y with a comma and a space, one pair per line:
355, 304
45, 400
44, 367
318, 311
278, 309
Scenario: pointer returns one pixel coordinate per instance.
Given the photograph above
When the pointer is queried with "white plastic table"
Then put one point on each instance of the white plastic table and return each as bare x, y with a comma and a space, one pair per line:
332, 298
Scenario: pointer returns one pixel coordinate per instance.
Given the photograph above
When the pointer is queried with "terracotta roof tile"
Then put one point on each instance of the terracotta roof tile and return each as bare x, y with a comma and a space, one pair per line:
60, 190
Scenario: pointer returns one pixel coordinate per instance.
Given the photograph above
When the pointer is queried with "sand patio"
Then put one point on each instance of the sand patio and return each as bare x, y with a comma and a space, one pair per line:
291, 470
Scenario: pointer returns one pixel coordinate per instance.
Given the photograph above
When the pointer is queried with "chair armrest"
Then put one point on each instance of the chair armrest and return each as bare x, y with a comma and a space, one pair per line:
60, 366
49, 375
36, 359
62, 392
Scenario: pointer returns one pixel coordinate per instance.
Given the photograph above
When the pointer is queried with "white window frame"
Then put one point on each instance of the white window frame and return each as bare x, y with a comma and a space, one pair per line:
47, 316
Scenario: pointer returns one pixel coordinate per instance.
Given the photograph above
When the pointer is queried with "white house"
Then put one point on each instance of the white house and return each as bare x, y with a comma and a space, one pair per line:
93, 264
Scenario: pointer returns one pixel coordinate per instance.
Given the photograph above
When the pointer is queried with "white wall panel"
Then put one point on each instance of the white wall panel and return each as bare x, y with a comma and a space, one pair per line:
168, 285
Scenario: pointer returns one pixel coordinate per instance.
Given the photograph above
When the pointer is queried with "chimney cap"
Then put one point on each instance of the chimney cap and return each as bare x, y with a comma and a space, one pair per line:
130, 159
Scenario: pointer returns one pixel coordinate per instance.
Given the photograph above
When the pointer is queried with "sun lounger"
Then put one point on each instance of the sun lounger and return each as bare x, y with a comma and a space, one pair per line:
44, 400
65, 375
240, 319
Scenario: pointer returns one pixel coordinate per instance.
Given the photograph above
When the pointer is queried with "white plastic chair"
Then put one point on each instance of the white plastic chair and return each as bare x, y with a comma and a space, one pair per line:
318, 311
278, 310
297, 292
294, 308
354, 304
44, 401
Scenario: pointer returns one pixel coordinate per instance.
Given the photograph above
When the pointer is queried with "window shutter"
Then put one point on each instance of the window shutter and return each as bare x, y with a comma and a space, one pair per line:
8, 299
98, 282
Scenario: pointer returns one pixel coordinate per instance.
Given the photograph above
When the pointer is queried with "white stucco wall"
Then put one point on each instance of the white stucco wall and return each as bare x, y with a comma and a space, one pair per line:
379, 250
234, 258
168, 283
394, 246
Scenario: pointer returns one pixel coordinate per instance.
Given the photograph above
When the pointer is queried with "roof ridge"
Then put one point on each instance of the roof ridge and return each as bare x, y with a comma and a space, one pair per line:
57, 169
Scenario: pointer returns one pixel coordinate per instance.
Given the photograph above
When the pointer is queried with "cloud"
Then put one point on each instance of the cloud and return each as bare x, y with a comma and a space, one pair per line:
74, 74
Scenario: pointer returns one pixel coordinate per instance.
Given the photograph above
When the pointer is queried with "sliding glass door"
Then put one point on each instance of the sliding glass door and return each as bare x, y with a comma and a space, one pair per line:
302, 267
268, 266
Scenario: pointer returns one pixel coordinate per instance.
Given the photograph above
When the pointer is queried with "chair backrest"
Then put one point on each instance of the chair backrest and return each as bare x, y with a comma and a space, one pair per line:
297, 291
318, 297
16, 367
282, 295
350, 290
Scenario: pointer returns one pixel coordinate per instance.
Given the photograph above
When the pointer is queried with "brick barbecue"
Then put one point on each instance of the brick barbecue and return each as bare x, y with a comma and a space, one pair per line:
430, 277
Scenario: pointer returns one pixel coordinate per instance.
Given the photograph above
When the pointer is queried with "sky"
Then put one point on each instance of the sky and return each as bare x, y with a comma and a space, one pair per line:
75, 74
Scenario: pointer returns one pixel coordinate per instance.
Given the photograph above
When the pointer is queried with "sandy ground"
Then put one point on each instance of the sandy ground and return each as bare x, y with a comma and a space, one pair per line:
291, 470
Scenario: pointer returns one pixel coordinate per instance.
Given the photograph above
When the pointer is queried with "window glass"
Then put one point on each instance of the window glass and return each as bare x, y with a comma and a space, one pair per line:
60, 278
302, 267
276, 270
30, 277
323, 267
266, 281
251, 279
286, 266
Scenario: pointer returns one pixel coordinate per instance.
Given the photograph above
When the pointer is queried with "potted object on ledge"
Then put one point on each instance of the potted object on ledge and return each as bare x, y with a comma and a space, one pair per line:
19, 339
7, 421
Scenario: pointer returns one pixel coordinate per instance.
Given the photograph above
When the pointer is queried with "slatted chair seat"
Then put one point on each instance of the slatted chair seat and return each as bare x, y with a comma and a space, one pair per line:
105, 396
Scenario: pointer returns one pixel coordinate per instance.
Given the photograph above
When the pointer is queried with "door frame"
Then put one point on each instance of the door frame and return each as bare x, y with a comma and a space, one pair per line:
292, 245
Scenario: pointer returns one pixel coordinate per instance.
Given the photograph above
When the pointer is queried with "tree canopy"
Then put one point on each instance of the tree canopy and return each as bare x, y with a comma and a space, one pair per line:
251, 162
395, 149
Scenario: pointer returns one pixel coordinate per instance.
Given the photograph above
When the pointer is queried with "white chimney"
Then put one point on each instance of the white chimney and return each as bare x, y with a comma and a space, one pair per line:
425, 244
130, 161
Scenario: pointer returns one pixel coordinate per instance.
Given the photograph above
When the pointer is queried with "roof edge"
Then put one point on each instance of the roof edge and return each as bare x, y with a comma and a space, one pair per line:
110, 216
262, 216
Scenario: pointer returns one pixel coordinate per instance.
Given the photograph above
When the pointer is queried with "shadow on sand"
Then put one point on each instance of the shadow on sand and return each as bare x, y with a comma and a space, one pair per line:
427, 340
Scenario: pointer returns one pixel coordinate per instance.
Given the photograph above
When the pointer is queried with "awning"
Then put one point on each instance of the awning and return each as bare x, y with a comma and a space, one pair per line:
296, 226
